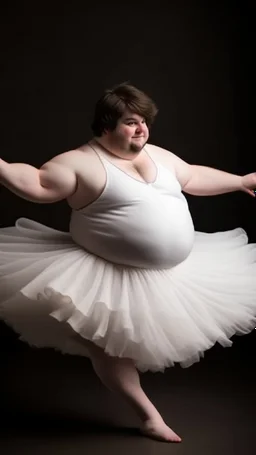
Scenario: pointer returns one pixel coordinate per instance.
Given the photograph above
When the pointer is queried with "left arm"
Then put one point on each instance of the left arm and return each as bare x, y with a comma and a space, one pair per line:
202, 180
207, 181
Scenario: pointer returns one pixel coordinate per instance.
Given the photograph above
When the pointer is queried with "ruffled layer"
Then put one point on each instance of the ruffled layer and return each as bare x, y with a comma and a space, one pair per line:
55, 294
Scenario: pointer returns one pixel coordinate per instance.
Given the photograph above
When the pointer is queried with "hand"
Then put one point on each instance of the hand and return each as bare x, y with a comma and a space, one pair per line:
249, 184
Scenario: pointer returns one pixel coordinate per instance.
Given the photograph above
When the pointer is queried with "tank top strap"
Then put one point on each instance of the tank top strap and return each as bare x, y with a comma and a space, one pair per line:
105, 163
115, 171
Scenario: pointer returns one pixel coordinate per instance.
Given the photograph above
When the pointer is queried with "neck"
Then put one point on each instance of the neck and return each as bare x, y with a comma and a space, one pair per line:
120, 153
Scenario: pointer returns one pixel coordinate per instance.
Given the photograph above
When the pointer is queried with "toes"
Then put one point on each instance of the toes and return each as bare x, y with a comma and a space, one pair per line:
164, 436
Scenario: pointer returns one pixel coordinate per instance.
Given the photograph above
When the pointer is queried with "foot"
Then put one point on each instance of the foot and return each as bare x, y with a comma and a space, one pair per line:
157, 429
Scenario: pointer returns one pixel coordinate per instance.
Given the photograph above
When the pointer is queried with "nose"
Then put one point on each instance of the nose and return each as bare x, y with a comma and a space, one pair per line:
139, 128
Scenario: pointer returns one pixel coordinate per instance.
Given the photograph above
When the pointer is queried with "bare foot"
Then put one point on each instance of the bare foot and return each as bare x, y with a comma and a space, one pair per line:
157, 429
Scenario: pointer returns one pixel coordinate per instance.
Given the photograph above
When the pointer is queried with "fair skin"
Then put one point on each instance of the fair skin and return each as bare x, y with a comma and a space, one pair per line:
79, 177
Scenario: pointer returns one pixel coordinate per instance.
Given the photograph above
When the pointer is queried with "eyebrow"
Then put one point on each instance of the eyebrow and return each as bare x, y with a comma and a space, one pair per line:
132, 118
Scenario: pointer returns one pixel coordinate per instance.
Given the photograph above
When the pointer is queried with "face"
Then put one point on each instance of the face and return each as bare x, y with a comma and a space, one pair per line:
129, 136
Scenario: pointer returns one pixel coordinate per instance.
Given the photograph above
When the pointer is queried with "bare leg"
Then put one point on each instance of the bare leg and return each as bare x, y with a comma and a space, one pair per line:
121, 376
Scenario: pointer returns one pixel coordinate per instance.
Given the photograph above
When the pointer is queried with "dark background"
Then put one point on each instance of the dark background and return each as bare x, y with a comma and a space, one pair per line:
195, 59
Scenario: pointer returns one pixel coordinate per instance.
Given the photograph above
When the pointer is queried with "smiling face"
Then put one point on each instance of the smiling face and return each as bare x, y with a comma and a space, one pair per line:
129, 136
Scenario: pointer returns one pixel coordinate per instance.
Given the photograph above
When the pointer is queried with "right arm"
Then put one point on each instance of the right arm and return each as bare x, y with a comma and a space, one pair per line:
54, 181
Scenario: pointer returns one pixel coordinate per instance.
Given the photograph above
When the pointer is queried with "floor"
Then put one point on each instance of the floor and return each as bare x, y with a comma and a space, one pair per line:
54, 404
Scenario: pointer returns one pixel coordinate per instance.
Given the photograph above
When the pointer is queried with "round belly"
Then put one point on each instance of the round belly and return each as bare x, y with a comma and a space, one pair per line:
160, 241
163, 243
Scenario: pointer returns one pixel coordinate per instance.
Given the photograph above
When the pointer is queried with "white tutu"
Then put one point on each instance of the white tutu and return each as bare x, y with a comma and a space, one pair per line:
51, 290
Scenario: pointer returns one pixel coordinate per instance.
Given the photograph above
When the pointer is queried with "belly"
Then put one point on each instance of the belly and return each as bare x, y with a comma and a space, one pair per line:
161, 240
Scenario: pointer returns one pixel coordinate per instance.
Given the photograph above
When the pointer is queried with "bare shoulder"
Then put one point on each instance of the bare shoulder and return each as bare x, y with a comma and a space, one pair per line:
73, 158
162, 154
171, 161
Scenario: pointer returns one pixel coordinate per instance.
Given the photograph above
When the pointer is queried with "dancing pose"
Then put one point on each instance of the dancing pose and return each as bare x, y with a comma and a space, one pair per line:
132, 285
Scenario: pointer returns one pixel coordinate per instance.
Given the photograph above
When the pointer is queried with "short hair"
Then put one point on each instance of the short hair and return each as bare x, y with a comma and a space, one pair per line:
113, 103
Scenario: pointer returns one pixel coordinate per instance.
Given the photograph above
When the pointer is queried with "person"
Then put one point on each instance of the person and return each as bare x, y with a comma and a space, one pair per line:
132, 285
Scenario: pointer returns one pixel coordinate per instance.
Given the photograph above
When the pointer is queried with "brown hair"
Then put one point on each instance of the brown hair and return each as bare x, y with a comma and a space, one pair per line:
113, 103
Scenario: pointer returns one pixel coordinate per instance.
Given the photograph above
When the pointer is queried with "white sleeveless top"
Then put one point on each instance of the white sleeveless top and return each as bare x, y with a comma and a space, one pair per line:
134, 223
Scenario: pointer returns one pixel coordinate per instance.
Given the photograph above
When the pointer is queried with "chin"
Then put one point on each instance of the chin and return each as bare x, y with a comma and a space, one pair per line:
137, 147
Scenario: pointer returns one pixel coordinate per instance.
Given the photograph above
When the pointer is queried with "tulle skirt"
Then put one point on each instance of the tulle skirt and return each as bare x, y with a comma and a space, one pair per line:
55, 294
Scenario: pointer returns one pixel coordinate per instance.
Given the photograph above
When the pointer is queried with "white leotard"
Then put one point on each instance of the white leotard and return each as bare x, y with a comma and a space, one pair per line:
134, 223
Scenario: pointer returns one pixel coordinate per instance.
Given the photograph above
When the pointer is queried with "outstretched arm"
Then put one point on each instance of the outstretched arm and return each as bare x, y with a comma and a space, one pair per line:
207, 181
54, 181
202, 180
